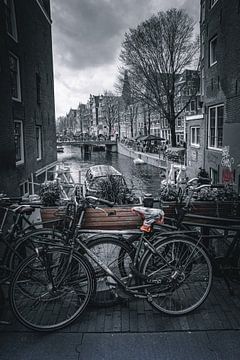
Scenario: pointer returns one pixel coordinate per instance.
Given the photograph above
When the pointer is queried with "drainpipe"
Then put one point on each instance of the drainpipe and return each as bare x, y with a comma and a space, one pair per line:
204, 138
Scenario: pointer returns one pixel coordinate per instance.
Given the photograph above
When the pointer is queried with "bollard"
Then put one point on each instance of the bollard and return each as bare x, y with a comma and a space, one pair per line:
148, 200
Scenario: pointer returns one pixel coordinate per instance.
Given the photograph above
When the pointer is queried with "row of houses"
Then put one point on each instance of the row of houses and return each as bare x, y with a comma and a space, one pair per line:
112, 116
27, 115
213, 136
210, 124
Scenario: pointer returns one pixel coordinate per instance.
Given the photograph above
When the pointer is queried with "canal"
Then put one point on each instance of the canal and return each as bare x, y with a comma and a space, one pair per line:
141, 179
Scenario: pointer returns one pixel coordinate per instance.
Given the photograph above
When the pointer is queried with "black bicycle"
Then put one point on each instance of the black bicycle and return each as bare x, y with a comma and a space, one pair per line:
51, 288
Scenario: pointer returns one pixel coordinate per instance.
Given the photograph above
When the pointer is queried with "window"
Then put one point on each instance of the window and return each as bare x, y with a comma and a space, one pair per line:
179, 122
195, 136
39, 142
214, 176
15, 77
213, 2
192, 105
215, 127
11, 19
213, 51
19, 144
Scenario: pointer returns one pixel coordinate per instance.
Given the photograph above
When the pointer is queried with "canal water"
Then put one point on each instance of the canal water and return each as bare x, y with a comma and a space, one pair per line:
141, 179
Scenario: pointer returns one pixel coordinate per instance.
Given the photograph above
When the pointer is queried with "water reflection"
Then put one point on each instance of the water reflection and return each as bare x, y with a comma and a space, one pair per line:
141, 178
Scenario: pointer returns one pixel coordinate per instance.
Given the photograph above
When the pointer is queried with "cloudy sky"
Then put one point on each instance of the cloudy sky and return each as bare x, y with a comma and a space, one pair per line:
87, 37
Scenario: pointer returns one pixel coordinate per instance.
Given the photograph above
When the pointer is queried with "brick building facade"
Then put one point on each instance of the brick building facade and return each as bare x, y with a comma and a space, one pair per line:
220, 85
27, 115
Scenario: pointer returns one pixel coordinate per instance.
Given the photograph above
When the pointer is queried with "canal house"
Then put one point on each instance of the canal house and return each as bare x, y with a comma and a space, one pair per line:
27, 115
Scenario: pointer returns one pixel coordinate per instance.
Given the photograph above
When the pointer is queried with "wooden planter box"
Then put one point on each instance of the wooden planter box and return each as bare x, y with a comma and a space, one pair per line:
220, 209
119, 218
52, 216
169, 208
211, 221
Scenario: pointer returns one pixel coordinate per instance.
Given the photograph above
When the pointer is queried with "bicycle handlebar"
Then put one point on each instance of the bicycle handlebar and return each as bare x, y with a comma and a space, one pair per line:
10, 199
102, 201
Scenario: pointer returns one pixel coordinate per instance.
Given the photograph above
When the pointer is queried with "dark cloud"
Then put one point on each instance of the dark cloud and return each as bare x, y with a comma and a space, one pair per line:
89, 32
87, 36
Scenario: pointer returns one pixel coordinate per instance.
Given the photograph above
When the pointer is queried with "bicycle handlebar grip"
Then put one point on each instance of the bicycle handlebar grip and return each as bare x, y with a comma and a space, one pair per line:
217, 186
102, 201
202, 186
105, 202
10, 199
192, 180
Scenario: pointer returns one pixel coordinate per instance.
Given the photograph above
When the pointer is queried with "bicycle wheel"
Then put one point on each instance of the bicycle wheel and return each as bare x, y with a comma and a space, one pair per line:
50, 290
180, 274
27, 245
117, 255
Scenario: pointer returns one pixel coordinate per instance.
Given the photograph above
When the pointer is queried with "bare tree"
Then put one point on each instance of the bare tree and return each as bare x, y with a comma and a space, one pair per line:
110, 106
155, 54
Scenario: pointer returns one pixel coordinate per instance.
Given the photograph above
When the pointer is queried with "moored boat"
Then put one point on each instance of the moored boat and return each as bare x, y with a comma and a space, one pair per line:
106, 182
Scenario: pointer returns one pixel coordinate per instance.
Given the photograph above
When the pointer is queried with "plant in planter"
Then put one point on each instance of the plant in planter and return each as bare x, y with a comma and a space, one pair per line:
169, 199
217, 202
50, 193
168, 192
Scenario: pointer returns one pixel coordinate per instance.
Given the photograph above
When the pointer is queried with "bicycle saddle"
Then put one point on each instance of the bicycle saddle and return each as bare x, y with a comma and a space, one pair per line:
27, 210
150, 216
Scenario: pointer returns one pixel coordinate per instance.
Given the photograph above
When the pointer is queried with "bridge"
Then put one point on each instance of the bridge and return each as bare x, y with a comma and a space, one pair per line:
89, 145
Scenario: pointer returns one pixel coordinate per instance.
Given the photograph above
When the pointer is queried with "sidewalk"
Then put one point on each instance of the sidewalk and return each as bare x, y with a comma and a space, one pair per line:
135, 331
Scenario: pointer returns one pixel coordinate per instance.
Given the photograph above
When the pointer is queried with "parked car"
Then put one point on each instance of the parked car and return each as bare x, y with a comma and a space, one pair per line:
106, 182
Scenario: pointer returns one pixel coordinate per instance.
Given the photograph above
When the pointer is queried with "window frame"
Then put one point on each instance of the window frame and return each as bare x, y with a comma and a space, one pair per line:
211, 62
39, 142
179, 122
21, 161
215, 147
13, 35
194, 138
19, 98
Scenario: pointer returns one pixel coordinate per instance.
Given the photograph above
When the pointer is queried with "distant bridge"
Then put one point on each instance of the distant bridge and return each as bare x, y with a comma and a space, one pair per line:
91, 144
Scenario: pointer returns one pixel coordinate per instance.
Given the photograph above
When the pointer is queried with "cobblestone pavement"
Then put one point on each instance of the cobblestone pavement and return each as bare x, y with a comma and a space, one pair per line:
221, 311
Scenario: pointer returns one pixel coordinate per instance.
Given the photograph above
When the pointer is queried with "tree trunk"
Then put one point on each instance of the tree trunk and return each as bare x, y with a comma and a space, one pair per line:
173, 132
149, 121
144, 121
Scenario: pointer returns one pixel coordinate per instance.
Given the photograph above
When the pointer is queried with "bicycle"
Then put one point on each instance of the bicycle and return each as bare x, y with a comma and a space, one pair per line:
56, 283
116, 247
16, 234
212, 231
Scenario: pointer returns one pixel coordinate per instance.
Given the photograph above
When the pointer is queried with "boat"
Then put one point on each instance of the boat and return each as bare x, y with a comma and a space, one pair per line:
106, 182
138, 161
60, 149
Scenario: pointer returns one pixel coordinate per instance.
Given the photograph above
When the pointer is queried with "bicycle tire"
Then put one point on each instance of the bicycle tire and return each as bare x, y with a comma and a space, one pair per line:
182, 265
36, 304
26, 246
109, 251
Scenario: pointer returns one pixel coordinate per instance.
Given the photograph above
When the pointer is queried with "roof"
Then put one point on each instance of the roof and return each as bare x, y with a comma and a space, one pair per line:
103, 170
150, 138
